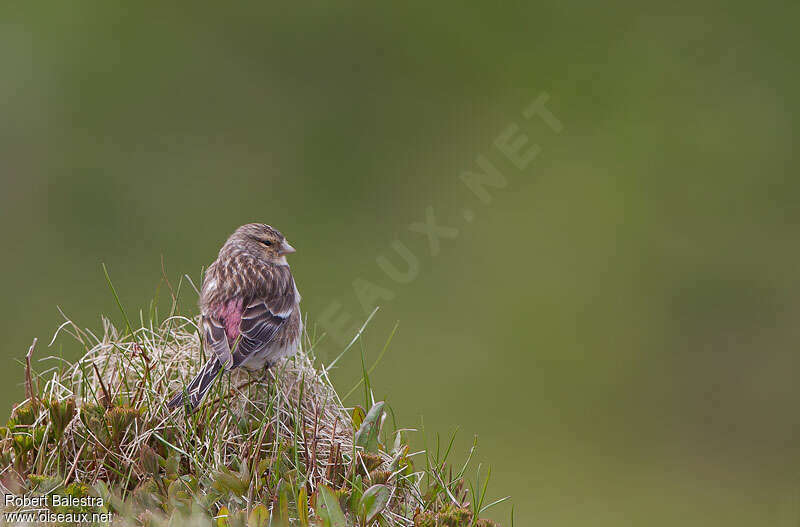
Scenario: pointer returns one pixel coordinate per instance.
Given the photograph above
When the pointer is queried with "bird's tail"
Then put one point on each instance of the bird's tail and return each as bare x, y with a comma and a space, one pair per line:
199, 386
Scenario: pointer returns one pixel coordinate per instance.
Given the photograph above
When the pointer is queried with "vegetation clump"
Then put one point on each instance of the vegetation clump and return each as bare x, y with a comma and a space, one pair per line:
277, 449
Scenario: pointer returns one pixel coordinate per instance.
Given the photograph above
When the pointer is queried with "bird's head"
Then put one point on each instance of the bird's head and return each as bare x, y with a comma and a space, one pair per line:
262, 241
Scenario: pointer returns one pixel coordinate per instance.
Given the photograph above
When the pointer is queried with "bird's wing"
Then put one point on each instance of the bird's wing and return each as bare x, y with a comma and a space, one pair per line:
261, 321
216, 340
266, 314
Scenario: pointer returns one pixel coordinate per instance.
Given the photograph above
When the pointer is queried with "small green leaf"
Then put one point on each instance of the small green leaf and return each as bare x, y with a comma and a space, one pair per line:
332, 511
259, 517
226, 480
356, 493
172, 464
358, 416
44, 484
283, 505
182, 489
222, 517
149, 460
244, 473
374, 500
101, 490
176, 519
399, 458
302, 506
367, 435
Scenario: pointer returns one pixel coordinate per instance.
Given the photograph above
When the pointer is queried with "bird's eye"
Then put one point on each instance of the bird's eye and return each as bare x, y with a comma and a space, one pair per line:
267, 243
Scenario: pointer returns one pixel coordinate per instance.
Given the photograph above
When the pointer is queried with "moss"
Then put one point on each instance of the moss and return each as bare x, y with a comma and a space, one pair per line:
74, 490
379, 476
6, 454
370, 461
40, 484
93, 417
25, 414
61, 414
118, 420
448, 516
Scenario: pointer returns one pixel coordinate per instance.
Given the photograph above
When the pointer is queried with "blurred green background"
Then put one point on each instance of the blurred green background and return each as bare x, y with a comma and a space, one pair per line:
618, 326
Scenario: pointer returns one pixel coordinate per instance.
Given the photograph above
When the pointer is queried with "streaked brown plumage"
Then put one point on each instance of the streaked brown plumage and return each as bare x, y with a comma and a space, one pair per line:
249, 306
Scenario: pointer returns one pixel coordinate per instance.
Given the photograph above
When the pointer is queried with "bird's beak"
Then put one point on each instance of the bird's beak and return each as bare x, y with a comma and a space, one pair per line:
286, 248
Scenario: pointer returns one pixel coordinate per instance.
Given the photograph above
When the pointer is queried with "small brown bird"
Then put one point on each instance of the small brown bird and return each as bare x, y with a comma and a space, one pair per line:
249, 306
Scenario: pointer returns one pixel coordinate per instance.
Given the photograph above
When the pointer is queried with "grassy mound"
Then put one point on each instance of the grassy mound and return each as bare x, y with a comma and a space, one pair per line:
275, 449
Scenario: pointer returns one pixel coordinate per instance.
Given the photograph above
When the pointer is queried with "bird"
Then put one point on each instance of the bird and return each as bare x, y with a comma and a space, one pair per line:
249, 307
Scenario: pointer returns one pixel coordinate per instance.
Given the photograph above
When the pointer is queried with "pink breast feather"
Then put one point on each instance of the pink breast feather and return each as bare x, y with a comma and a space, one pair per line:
230, 314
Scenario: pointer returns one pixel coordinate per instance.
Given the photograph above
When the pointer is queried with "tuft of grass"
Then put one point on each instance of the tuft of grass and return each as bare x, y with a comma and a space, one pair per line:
275, 449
